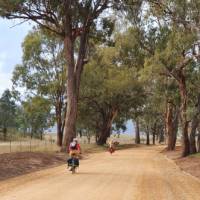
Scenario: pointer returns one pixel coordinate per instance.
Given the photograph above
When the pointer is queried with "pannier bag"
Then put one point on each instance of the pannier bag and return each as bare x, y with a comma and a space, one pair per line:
71, 160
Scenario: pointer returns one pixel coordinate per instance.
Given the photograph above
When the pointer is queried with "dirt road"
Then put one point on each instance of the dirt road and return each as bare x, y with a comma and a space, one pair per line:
134, 174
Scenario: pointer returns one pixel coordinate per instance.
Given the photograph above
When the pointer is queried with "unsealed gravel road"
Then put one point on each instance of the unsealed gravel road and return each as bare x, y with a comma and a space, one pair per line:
134, 174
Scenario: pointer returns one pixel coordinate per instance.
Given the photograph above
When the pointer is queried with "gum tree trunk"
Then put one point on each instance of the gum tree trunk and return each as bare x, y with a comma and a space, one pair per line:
4, 133
72, 93
74, 72
161, 136
137, 131
198, 143
195, 123
184, 122
59, 124
179, 74
147, 134
169, 127
106, 128
105, 133
154, 132
172, 126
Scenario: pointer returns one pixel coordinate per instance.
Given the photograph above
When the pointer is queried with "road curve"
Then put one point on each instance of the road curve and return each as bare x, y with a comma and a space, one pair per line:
134, 174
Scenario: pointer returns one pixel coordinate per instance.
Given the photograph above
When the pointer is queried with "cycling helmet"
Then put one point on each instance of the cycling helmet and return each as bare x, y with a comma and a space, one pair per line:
75, 140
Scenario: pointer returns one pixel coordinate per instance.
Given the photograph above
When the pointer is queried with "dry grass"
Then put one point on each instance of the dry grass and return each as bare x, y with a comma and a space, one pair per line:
27, 145
196, 155
42, 156
49, 144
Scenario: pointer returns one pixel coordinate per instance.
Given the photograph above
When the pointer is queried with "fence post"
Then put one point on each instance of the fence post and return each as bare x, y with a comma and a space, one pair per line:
45, 145
10, 145
20, 147
30, 145
38, 149
51, 145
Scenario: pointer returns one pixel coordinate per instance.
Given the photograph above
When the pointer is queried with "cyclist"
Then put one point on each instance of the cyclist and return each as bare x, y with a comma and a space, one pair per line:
74, 148
74, 151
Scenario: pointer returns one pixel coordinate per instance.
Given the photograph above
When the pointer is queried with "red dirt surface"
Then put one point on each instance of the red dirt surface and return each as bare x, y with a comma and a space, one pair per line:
15, 164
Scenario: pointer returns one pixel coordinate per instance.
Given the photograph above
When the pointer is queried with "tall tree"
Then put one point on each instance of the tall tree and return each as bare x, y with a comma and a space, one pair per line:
172, 116
193, 77
43, 72
182, 17
72, 21
137, 132
7, 112
109, 89
38, 113
132, 55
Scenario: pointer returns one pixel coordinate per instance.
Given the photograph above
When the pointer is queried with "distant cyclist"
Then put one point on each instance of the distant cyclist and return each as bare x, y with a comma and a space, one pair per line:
111, 146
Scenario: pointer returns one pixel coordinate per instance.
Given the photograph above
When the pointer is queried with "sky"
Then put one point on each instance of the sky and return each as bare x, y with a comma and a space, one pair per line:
11, 39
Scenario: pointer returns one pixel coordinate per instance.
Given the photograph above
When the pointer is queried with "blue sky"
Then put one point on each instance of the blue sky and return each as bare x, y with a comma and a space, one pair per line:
10, 49
130, 128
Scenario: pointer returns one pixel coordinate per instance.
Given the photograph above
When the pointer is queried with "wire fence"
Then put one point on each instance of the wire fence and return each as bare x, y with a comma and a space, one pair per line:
30, 145
49, 143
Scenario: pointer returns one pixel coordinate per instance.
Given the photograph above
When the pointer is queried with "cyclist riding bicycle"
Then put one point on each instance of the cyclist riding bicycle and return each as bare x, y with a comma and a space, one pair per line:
74, 151
111, 146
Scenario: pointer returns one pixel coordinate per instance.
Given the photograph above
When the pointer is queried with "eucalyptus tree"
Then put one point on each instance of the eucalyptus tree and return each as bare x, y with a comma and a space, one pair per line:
43, 72
72, 20
132, 55
163, 98
172, 62
109, 89
7, 112
175, 34
38, 115
193, 89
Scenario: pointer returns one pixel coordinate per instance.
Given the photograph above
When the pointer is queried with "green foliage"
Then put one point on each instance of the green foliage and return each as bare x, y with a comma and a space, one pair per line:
43, 71
128, 73
37, 113
7, 110
131, 53
43, 68
173, 43
110, 83
7, 113
52, 14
